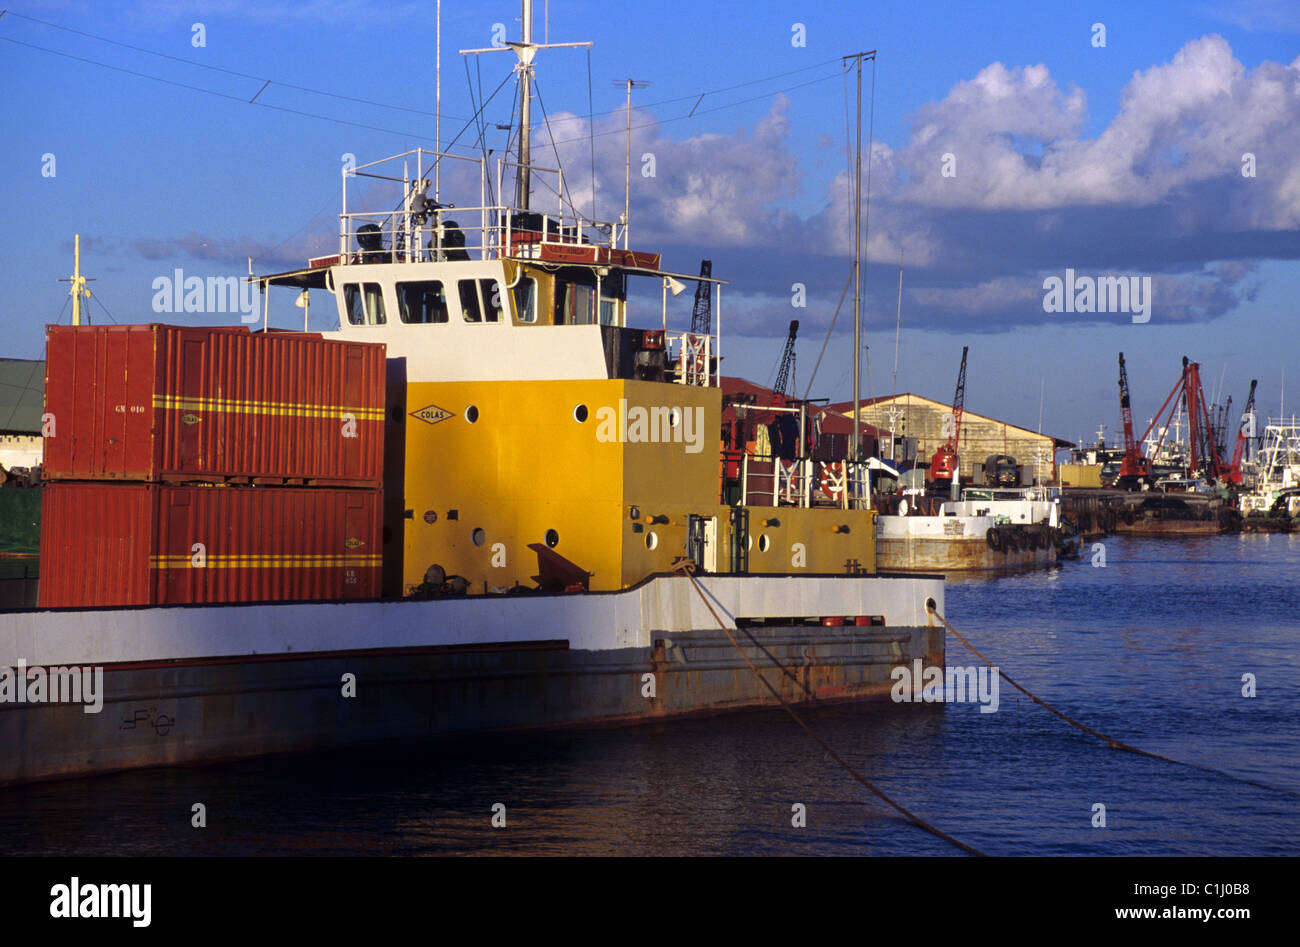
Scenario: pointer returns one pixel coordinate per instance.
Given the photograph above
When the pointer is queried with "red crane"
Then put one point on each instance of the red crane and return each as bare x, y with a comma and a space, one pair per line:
1204, 456
1247, 421
1134, 466
945, 464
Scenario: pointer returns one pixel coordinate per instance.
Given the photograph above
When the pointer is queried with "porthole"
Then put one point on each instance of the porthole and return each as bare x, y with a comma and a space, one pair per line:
471, 414
652, 540
674, 416
580, 413
478, 536
552, 538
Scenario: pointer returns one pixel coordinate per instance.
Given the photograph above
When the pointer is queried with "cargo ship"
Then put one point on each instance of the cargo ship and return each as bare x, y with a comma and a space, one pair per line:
494, 498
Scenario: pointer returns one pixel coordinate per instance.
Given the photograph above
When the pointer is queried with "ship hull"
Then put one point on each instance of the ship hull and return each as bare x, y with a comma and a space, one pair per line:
200, 709
921, 554
1172, 527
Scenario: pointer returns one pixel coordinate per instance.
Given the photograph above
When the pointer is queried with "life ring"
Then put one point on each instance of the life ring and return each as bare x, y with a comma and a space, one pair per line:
831, 482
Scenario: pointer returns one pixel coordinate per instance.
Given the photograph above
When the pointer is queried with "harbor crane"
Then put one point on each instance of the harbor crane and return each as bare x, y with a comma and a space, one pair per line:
787, 360
945, 464
1134, 467
702, 314
1244, 433
1204, 457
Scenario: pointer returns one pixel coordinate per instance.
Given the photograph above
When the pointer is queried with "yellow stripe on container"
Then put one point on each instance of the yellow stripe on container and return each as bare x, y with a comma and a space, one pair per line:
263, 562
273, 408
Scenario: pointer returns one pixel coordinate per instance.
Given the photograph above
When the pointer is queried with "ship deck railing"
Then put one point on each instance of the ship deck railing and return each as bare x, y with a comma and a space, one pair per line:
803, 482
398, 199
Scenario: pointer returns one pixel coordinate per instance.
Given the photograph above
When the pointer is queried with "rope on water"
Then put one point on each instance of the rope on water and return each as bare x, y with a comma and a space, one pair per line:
687, 568
1111, 741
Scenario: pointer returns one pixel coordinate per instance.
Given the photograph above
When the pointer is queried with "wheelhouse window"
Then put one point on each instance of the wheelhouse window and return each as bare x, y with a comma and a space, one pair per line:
422, 303
469, 305
492, 302
525, 293
480, 299
613, 295
364, 304
574, 303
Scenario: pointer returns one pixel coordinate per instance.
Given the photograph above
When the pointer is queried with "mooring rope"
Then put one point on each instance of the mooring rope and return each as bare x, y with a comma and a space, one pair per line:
687, 569
1111, 741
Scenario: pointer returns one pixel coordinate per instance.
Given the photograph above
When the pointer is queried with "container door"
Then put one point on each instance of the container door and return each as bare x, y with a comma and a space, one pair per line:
354, 397
182, 555
358, 548
192, 419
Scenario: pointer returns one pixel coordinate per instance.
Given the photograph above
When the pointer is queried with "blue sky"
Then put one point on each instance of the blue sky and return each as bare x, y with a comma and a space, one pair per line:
1117, 160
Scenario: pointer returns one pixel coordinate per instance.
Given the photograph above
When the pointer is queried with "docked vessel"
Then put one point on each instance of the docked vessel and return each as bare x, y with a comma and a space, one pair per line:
551, 478
987, 529
1273, 499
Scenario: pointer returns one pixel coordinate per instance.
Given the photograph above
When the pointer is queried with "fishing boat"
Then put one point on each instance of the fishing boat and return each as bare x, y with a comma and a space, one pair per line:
1274, 496
553, 546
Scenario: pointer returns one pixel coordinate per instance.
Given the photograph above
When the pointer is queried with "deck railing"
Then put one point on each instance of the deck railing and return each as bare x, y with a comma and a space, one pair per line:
410, 224
804, 482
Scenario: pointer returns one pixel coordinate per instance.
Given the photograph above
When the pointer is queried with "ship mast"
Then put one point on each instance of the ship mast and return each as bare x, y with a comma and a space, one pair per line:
856, 442
526, 51
523, 182
78, 290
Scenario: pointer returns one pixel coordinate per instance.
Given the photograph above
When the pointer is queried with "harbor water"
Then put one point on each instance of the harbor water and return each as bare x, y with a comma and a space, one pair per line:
1150, 647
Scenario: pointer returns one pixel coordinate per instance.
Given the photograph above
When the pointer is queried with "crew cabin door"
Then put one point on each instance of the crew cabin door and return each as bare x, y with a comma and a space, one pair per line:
702, 542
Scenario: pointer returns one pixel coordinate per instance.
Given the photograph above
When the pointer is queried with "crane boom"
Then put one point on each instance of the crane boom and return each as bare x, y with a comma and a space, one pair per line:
787, 359
1247, 423
702, 314
1133, 465
945, 464
958, 402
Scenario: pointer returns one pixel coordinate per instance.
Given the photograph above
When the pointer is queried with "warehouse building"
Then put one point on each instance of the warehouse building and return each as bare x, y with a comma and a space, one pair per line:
921, 425
22, 399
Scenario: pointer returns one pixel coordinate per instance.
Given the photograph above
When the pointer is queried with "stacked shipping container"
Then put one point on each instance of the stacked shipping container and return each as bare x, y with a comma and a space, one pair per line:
210, 465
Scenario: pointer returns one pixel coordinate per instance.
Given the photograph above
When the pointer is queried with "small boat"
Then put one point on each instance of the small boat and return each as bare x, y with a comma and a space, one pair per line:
987, 529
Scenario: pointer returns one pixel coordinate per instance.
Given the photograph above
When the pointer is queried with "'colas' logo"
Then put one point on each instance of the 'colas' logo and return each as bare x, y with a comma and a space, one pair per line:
432, 414
191, 418
352, 542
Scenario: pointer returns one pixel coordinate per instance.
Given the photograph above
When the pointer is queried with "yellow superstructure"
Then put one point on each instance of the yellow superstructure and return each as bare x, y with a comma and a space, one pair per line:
610, 475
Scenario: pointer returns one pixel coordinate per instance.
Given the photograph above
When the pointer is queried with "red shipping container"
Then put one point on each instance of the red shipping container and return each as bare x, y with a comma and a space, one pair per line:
167, 544
158, 402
